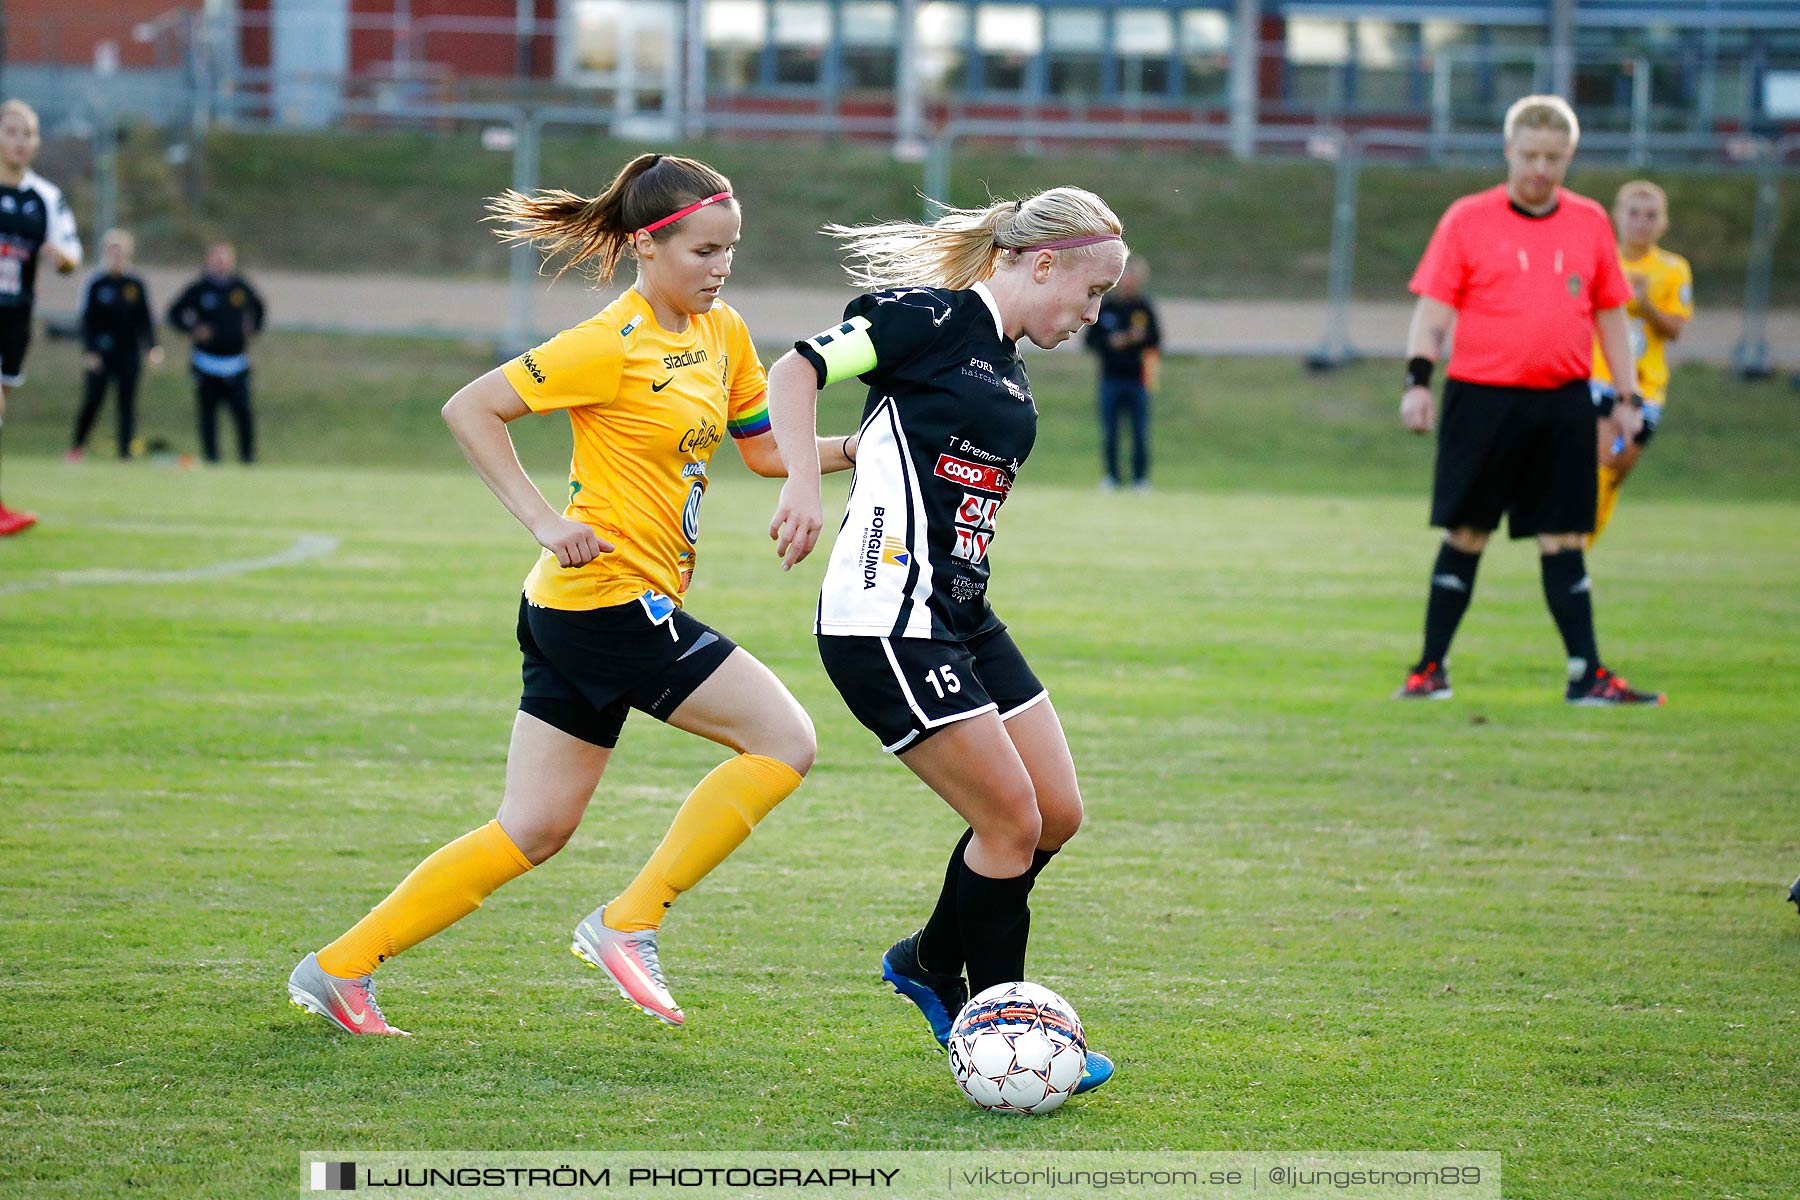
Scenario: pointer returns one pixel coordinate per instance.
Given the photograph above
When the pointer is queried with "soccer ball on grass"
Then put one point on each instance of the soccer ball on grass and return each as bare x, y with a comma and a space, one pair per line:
1017, 1048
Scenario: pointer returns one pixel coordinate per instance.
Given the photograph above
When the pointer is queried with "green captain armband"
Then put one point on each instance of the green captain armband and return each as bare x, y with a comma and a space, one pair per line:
840, 352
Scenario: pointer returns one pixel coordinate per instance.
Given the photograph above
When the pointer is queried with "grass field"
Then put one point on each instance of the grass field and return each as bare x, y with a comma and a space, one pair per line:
1301, 916
412, 203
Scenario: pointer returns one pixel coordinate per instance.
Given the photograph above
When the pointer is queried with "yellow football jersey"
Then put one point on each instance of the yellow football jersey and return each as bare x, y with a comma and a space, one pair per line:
647, 409
1669, 285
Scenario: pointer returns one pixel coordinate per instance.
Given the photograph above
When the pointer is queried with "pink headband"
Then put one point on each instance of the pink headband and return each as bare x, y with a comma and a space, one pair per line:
1071, 243
679, 213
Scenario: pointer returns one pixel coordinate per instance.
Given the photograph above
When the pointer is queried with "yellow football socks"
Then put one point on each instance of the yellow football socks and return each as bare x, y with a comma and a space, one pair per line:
1609, 496
441, 891
713, 821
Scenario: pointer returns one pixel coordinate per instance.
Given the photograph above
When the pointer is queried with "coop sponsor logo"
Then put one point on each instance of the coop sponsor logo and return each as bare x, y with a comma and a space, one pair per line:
983, 477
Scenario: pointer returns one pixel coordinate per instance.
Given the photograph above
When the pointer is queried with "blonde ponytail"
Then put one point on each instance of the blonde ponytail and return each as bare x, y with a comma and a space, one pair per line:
966, 245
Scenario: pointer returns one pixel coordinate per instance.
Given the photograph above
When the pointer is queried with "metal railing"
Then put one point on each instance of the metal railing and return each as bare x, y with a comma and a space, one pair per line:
405, 61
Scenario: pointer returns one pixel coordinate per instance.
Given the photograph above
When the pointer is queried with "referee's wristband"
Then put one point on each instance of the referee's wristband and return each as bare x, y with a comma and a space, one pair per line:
1418, 371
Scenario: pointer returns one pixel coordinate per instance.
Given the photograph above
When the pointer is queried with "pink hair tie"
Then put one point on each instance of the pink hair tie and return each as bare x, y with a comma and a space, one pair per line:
679, 213
1072, 243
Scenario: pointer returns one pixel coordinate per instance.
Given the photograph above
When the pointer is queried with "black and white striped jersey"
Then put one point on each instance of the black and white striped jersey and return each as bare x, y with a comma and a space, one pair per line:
947, 425
32, 213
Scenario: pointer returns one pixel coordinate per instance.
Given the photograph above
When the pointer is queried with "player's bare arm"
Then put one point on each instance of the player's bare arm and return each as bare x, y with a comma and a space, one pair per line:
763, 456
477, 416
1615, 344
794, 422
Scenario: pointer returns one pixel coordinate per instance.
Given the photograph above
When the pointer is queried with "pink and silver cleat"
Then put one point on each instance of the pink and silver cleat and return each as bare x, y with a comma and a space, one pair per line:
347, 1003
630, 959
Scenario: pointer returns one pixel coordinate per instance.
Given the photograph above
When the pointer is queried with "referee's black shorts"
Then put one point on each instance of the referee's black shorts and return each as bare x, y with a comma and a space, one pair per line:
584, 670
1530, 453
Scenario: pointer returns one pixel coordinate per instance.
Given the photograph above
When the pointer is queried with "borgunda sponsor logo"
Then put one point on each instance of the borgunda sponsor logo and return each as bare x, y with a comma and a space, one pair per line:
873, 534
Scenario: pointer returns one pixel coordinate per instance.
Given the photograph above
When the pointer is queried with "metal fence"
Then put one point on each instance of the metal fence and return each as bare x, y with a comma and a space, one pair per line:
1774, 163
660, 67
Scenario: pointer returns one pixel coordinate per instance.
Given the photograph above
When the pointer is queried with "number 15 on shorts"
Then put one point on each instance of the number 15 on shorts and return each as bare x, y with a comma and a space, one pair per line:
943, 681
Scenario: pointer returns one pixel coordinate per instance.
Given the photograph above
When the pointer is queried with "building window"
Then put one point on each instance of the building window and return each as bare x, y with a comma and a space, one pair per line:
1386, 55
1076, 39
802, 30
736, 31
621, 44
1205, 54
1143, 43
943, 38
1008, 37
1318, 49
869, 36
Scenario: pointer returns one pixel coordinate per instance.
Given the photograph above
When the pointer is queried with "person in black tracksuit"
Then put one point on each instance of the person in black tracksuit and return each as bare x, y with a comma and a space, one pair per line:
116, 330
1128, 341
221, 312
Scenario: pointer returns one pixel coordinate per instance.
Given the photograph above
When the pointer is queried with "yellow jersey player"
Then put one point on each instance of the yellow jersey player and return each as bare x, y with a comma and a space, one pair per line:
651, 386
1662, 303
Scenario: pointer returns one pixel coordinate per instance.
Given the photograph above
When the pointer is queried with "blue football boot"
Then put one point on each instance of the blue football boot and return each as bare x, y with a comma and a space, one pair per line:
939, 995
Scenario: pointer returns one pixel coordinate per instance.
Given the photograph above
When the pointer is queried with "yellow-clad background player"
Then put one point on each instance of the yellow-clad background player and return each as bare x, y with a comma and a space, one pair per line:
651, 386
1662, 303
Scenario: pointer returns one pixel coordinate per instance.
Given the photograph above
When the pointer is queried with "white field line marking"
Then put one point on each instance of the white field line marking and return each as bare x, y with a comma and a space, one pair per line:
307, 545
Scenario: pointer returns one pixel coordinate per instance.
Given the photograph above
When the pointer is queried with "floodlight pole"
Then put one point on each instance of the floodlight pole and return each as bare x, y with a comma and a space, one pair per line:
1562, 48
693, 109
1751, 356
523, 264
1335, 351
1246, 66
106, 139
909, 103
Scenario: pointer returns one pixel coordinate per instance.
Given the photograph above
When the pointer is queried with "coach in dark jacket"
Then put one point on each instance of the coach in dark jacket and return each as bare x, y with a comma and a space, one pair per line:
116, 330
221, 312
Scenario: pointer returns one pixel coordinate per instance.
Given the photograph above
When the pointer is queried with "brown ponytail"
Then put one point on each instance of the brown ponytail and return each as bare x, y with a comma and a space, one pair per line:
599, 231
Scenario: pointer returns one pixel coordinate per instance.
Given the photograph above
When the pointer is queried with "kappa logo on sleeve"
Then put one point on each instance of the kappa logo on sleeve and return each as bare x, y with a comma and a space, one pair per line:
931, 302
983, 477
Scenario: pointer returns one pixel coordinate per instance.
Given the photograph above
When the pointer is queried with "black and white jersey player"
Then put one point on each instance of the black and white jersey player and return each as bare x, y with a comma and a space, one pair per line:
33, 214
904, 624
905, 629
948, 422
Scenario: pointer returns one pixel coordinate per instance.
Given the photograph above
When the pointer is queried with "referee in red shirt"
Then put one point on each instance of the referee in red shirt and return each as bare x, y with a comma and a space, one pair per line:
1526, 273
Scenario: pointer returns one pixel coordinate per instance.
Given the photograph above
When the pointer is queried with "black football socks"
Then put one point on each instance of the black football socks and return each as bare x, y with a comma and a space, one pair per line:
1569, 595
1452, 587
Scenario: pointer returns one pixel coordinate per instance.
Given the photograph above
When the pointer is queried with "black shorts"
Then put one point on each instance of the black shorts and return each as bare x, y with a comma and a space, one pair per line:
1529, 453
906, 689
15, 339
585, 669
